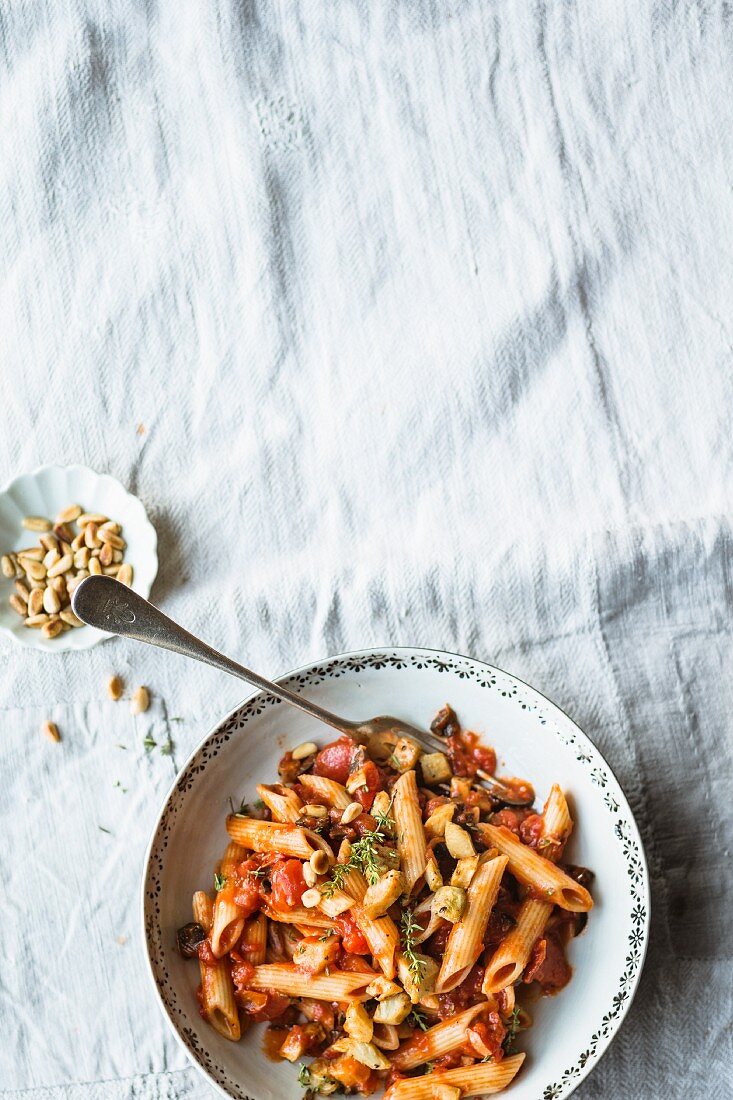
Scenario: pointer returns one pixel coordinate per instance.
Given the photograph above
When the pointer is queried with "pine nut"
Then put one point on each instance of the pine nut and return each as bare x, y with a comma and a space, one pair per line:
35, 570
114, 687
51, 558
319, 862
51, 629
352, 811
37, 620
49, 541
112, 571
37, 523
31, 553
91, 517
18, 606
140, 701
113, 540
110, 525
312, 809
63, 532
124, 573
7, 566
35, 601
311, 898
90, 535
51, 731
78, 542
69, 618
21, 591
306, 749
310, 876
61, 566
81, 557
105, 554
69, 514
51, 601
94, 567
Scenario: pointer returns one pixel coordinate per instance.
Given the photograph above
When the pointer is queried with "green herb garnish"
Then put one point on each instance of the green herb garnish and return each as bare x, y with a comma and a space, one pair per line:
109, 831
304, 1076
417, 1019
243, 810
409, 931
220, 881
513, 1029
149, 743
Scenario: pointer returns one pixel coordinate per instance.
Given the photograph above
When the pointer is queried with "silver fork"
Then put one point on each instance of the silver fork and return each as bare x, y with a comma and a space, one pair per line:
109, 605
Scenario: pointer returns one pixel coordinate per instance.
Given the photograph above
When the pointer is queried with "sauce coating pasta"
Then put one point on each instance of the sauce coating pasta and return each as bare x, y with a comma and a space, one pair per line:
382, 910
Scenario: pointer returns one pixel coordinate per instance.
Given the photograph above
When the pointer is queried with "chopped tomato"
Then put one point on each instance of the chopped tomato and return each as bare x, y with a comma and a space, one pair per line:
486, 1036
275, 1005
247, 897
467, 755
206, 955
530, 831
352, 1074
288, 884
334, 761
365, 795
510, 819
319, 1012
547, 964
242, 970
351, 938
432, 804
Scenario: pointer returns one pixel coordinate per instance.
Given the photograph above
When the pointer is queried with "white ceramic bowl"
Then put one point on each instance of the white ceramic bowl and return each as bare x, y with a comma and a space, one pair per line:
44, 493
533, 739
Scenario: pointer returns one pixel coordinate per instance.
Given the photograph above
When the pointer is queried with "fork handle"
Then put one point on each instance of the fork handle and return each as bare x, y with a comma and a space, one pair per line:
108, 605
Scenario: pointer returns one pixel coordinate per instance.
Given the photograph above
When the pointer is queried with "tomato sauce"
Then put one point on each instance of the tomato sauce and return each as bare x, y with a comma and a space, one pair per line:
467, 755
273, 1039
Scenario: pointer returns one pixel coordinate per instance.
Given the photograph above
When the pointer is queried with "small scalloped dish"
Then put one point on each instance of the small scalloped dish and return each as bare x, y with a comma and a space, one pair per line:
45, 492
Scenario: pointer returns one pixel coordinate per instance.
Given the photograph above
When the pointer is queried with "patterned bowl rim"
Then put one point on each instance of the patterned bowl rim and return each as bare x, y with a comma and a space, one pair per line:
487, 676
93, 636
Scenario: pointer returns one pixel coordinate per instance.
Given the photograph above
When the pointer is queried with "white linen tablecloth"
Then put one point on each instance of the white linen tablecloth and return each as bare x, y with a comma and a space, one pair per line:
410, 323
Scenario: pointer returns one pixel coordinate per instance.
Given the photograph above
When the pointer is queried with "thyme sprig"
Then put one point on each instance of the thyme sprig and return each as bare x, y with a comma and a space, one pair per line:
409, 931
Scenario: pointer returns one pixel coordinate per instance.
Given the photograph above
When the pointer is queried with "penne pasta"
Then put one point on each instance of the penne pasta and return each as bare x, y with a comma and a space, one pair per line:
339, 985
428, 1045
228, 921
283, 803
326, 791
313, 918
482, 1079
465, 941
254, 936
274, 836
382, 937
373, 955
227, 924
535, 871
511, 956
217, 991
409, 832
